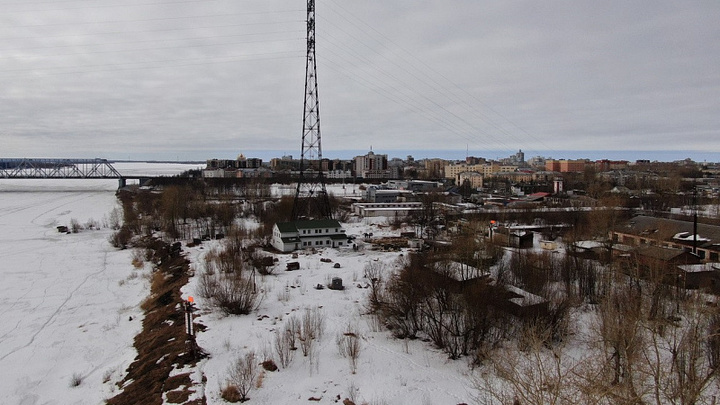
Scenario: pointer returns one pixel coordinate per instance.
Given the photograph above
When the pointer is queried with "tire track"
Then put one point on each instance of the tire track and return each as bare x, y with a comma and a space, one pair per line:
56, 312
84, 196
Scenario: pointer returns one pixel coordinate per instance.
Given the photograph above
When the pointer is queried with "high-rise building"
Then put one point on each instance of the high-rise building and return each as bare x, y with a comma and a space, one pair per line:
372, 166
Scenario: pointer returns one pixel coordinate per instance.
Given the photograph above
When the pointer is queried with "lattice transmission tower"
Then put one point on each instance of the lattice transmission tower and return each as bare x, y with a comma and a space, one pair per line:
311, 198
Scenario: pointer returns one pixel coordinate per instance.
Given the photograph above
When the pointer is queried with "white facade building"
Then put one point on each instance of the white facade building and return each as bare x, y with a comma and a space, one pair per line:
317, 233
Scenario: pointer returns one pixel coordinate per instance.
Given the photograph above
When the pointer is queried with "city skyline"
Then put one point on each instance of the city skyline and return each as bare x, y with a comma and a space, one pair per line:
459, 155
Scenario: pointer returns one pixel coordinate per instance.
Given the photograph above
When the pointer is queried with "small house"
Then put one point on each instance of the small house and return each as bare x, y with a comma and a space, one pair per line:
316, 233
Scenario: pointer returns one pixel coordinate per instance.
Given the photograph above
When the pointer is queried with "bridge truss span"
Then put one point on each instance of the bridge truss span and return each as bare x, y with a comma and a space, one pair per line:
58, 169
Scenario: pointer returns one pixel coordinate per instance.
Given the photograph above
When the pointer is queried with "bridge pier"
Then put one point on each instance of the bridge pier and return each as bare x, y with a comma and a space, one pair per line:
121, 182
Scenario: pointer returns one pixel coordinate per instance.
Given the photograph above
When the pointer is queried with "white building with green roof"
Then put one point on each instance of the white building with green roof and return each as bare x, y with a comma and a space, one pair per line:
315, 233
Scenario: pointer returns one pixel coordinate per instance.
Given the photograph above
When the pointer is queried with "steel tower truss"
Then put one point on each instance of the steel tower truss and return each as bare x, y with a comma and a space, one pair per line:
311, 198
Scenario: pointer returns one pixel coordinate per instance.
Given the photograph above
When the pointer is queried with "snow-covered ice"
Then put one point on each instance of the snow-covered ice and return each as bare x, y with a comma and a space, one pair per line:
65, 299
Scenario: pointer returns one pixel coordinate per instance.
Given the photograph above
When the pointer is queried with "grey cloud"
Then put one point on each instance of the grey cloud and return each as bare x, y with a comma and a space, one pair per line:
224, 75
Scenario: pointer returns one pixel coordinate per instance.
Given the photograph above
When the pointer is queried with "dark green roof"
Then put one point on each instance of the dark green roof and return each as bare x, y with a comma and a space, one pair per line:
285, 227
293, 226
317, 223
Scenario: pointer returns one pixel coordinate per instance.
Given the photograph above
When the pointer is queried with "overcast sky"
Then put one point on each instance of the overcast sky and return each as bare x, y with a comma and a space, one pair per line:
177, 79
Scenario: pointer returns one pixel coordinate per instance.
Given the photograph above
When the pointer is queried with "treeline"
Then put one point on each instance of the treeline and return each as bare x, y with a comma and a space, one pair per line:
194, 211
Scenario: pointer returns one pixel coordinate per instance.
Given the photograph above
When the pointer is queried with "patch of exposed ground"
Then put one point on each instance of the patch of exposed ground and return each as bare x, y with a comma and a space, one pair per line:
162, 345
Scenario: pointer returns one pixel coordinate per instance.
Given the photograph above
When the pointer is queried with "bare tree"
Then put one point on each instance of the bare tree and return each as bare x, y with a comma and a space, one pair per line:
284, 347
401, 301
680, 360
620, 323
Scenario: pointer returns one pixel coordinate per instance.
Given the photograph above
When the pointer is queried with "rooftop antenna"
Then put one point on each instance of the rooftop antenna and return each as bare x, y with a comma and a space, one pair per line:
311, 198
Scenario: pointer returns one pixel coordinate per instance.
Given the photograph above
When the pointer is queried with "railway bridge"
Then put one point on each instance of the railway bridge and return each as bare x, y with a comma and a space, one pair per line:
63, 169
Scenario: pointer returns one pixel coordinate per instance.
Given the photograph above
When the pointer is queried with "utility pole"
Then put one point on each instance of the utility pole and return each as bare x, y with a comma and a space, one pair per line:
311, 198
695, 219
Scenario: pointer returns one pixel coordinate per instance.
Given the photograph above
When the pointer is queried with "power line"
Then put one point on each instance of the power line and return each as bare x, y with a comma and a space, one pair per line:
431, 77
110, 67
155, 19
154, 40
93, 34
409, 97
183, 46
433, 106
100, 6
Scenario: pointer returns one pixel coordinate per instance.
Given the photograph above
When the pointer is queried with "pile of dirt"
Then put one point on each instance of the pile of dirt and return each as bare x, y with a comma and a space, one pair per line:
391, 242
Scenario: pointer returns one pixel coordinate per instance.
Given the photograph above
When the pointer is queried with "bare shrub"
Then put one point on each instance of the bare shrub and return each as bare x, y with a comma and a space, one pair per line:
230, 393
580, 277
284, 294
503, 273
138, 258
121, 238
207, 286
233, 294
114, 219
76, 380
92, 224
237, 295
375, 323
311, 329
75, 226
284, 348
374, 271
242, 374
348, 344
314, 322
224, 261
538, 377
292, 330
555, 321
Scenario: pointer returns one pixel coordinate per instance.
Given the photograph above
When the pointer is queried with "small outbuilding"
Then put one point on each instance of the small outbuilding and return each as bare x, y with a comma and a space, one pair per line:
524, 304
336, 284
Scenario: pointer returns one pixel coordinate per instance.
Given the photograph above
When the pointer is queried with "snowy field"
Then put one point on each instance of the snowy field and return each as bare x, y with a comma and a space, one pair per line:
68, 300
389, 371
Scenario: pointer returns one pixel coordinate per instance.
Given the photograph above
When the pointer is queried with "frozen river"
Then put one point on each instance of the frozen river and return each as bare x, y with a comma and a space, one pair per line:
66, 299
